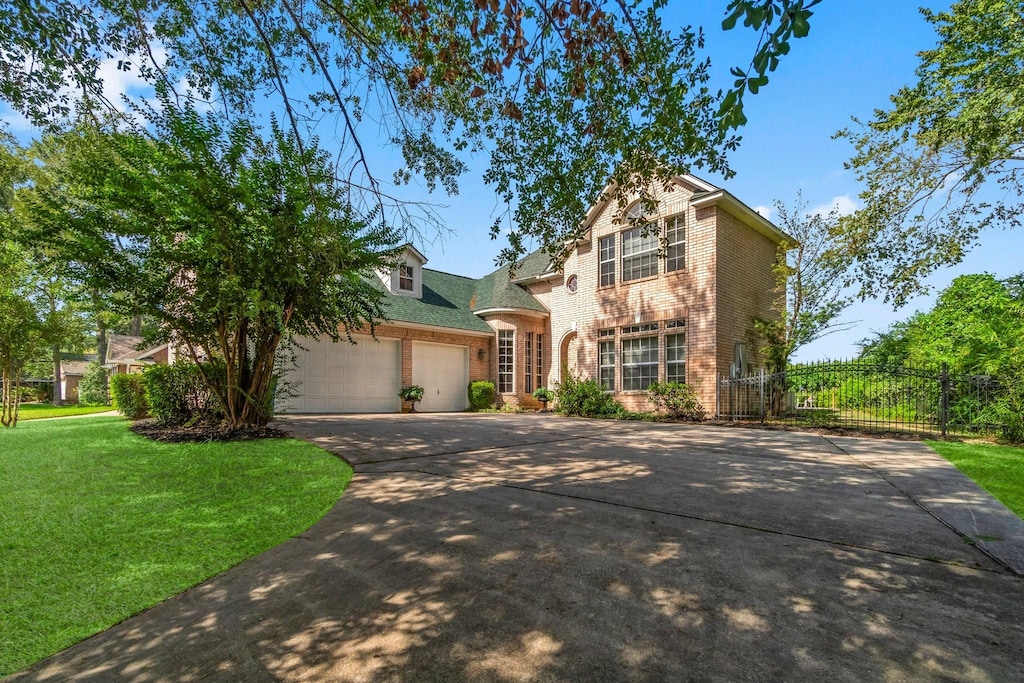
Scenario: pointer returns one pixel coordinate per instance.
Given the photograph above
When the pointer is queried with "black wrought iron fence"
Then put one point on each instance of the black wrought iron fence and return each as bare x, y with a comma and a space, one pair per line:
865, 395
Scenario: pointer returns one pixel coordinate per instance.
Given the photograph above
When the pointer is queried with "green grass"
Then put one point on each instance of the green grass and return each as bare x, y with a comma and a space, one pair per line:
37, 411
997, 469
97, 523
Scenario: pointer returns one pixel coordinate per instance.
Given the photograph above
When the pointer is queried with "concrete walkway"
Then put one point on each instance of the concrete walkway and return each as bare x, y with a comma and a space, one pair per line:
531, 547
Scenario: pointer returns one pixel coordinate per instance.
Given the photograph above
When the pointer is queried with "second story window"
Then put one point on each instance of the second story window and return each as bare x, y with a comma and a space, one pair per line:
639, 254
405, 277
675, 238
606, 250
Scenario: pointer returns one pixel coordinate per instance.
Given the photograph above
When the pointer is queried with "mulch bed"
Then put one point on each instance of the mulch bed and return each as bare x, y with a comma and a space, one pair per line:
201, 433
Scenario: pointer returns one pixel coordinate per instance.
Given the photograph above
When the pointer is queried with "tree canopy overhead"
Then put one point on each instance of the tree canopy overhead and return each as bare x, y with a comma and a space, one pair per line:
562, 95
946, 161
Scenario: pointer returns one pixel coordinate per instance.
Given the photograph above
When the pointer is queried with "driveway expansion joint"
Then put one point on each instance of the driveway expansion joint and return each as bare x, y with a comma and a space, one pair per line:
696, 518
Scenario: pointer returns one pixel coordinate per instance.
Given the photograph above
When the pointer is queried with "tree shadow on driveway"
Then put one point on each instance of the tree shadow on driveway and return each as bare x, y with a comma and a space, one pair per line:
580, 552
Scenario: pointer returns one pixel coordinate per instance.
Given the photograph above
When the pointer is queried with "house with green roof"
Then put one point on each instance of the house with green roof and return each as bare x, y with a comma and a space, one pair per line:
670, 294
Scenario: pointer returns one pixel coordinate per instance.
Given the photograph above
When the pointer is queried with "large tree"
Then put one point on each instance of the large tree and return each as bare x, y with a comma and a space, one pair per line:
946, 161
233, 243
563, 95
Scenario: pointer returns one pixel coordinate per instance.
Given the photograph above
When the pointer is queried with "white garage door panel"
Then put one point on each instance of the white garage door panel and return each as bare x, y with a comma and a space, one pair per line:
346, 378
443, 372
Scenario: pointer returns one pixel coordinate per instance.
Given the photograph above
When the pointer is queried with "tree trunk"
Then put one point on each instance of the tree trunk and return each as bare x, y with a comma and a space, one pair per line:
57, 397
135, 328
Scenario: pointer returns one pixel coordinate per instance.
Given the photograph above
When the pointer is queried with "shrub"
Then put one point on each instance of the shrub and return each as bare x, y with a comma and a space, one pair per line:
585, 398
129, 394
676, 399
481, 395
178, 394
92, 389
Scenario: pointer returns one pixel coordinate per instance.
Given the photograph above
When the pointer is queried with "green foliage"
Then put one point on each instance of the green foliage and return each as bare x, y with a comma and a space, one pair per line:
943, 163
543, 394
562, 95
481, 395
413, 392
232, 242
142, 520
20, 326
584, 398
129, 396
677, 399
92, 389
808, 291
179, 393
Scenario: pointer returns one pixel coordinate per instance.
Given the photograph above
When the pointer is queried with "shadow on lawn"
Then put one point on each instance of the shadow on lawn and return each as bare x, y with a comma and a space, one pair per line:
501, 565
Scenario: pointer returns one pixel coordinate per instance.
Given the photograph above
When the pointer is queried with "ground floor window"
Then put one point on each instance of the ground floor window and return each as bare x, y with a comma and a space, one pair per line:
528, 363
607, 365
506, 348
639, 363
540, 360
675, 358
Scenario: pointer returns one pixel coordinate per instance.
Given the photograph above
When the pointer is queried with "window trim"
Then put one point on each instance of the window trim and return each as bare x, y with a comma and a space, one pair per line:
528, 364
655, 364
602, 367
680, 332
647, 257
540, 360
679, 259
506, 361
406, 273
606, 276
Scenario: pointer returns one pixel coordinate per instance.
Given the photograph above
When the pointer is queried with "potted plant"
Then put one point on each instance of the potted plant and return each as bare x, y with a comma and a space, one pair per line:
413, 394
543, 395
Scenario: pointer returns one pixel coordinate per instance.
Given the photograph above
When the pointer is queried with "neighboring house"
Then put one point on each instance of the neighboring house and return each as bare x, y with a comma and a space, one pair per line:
124, 357
625, 308
71, 373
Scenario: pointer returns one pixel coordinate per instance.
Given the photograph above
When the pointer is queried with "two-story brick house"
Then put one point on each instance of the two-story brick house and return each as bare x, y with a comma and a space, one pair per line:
628, 306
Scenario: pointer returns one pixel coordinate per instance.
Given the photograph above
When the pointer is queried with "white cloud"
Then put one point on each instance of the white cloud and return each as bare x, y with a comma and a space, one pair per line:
843, 204
765, 211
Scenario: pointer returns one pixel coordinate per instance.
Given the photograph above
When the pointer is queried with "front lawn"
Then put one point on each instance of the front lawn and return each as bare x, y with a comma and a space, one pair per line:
998, 469
99, 523
37, 411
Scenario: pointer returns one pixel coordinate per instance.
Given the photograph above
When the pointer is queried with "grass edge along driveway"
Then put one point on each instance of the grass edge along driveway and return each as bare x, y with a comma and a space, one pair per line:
40, 411
996, 468
98, 523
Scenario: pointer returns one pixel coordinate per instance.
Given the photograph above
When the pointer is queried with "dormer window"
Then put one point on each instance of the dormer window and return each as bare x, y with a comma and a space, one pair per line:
405, 278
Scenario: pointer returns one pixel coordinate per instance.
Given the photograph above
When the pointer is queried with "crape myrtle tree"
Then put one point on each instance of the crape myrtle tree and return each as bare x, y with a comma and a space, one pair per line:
946, 160
561, 95
809, 291
232, 242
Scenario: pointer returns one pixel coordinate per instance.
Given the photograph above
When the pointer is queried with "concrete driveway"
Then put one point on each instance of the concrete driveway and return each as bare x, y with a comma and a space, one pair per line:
531, 547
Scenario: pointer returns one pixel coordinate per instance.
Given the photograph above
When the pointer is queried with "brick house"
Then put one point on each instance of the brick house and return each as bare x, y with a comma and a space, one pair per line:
627, 307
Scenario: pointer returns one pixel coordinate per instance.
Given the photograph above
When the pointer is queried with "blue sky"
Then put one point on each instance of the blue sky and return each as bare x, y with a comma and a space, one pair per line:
857, 54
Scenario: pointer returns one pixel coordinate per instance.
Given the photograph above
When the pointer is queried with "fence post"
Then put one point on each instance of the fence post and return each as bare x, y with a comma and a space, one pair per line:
718, 397
944, 398
761, 383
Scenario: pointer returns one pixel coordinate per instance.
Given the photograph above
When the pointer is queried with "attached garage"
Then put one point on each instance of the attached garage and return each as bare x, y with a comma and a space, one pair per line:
330, 377
443, 372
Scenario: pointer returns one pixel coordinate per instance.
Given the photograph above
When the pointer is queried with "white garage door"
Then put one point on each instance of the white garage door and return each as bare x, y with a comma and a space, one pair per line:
346, 378
443, 372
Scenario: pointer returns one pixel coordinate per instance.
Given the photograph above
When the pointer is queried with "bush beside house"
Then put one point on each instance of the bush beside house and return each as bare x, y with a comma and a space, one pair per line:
481, 395
129, 396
